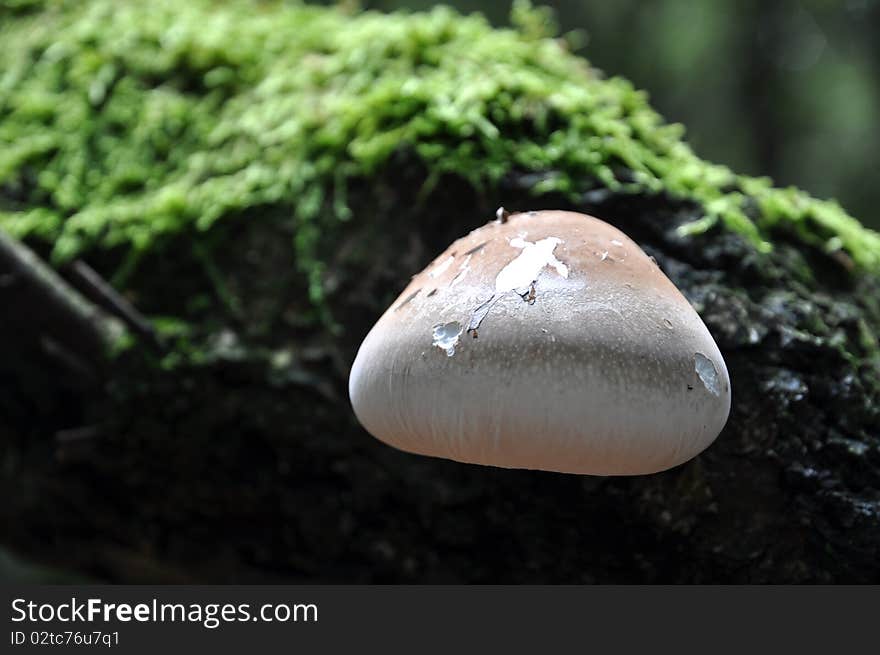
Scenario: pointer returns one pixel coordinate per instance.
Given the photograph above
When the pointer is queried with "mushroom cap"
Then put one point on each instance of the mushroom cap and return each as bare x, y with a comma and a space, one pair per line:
547, 341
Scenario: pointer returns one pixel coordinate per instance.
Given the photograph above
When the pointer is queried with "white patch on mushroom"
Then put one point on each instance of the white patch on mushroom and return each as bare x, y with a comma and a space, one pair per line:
446, 336
462, 271
520, 274
440, 268
707, 373
615, 242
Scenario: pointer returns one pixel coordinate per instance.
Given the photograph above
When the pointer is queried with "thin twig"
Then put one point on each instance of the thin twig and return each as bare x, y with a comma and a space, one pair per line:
102, 292
40, 304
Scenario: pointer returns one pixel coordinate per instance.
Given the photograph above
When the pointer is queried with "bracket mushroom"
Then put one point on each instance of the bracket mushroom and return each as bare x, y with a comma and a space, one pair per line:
549, 341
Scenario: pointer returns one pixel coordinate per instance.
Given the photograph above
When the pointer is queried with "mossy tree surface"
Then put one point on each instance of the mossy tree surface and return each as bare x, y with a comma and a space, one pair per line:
260, 178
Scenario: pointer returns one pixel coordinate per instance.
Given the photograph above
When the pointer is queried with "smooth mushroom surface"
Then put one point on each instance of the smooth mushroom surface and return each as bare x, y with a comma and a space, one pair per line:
543, 340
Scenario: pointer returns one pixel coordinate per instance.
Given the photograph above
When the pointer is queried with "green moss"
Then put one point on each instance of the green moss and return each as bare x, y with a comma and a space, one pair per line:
124, 124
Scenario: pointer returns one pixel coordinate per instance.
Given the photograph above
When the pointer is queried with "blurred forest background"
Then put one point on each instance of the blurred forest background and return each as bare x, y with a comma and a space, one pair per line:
788, 88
